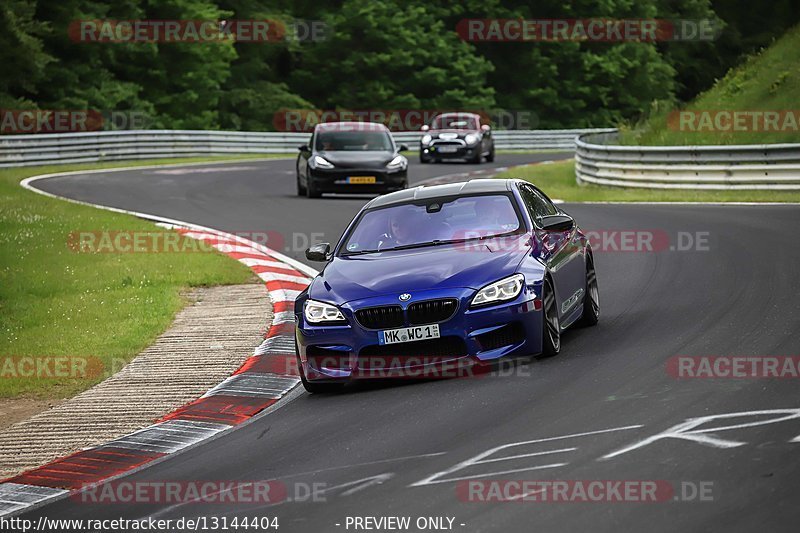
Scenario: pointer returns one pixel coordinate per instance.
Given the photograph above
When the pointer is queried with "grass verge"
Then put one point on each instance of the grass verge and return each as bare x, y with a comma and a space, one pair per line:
557, 180
100, 308
769, 81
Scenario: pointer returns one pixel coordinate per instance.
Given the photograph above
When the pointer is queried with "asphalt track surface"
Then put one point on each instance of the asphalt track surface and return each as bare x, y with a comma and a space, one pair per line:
377, 448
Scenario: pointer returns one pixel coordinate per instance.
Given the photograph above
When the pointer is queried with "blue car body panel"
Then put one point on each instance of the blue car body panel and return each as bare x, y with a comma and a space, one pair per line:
446, 271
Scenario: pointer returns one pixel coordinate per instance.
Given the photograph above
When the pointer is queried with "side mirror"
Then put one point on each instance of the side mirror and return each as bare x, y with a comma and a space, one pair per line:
558, 223
486, 127
425, 127
403, 148
304, 148
319, 252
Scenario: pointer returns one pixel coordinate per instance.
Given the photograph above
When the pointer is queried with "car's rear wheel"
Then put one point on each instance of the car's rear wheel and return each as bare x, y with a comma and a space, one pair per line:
591, 300
551, 326
310, 386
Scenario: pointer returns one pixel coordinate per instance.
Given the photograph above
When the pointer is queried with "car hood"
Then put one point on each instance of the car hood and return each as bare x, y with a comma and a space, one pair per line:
455, 265
376, 159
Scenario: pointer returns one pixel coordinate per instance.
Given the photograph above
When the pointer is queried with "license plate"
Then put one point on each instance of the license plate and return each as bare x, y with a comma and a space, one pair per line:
416, 333
362, 180
448, 149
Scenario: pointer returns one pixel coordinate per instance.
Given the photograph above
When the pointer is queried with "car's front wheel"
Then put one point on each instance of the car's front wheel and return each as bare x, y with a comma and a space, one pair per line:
490, 157
551, 325
591, 300
301, 191
312, 387
311, 189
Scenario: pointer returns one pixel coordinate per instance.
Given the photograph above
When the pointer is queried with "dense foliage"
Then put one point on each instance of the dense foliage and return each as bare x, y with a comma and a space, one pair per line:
378, 54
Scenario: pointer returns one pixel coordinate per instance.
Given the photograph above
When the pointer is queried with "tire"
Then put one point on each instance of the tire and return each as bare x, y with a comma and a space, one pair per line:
301, 191
311, 190
591, 298
490, 157
424, 160
551, 325
310, 386
476, 159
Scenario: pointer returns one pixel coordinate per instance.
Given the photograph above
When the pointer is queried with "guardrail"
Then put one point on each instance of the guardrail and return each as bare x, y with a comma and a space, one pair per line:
26, 150
756, 166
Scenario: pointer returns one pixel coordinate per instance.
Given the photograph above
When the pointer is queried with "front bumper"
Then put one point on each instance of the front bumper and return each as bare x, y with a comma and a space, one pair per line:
469, 337
336, 180
452, 150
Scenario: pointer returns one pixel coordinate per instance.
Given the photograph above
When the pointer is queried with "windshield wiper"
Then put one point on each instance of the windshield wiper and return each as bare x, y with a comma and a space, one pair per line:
359, 252
434, 242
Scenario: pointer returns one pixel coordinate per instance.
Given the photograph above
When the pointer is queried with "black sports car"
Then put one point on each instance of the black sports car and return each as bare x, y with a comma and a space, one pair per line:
351, 157
456, 136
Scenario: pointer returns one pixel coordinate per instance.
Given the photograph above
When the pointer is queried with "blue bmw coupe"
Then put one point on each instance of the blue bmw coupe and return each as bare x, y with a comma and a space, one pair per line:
444, 277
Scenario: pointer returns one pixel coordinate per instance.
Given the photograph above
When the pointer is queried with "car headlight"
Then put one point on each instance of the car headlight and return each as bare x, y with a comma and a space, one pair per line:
397, 163
321, 162
319, 312
426, 139
471, 138
499, 291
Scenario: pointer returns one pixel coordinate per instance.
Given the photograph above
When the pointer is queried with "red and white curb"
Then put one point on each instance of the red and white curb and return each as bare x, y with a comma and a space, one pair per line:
269, 374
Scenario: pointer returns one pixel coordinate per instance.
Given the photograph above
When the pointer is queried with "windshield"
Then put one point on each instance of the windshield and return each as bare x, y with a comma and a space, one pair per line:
353, 141
454, 122
409, 225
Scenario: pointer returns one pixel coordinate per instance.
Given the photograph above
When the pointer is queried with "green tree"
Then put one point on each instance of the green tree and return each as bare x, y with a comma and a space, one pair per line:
569, 83
22, 54
257, 87
391, 54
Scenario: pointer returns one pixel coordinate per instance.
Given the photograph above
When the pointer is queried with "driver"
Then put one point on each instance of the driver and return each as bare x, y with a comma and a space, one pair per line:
498, 216
400, 231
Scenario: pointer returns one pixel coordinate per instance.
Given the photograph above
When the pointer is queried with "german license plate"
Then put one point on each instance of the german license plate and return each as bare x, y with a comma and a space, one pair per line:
416, 333
447, 149
361, 180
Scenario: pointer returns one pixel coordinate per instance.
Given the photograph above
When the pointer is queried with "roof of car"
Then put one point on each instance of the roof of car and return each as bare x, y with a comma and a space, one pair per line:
459, 114
424, 192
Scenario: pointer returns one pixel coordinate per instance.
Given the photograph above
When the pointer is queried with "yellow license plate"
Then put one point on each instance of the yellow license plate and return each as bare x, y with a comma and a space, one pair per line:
361, 180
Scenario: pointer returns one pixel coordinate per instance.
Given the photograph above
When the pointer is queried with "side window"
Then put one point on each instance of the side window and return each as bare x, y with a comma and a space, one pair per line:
534, 203
549, 207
